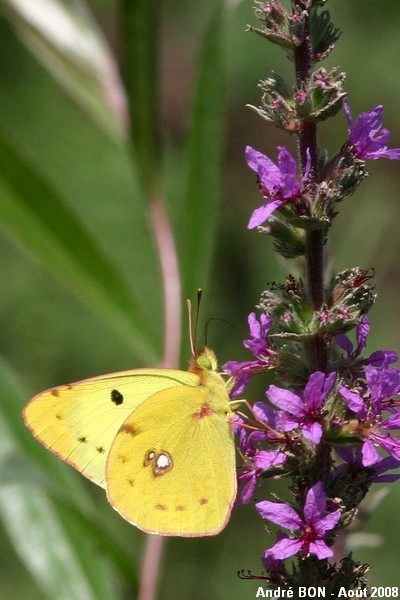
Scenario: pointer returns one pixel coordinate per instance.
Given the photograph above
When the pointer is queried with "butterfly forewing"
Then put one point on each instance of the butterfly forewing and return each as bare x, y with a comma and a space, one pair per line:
79, 422
171, 468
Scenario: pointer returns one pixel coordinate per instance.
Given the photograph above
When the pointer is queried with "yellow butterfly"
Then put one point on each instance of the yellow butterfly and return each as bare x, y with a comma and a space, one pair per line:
159, 441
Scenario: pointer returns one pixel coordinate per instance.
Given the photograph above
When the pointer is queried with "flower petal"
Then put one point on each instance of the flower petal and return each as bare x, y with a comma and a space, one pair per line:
285, 548
344, 343
280, 513
392, 422
369, 454
286, 400
247, 492
265, 168
288, 167
312, 432
382, 358
354, 401
390, 444
320, 549
317, 388
362, 332
264, 413
383, 382
327, 523
260, 215
265, 459
315, 505
367, 138
258, 343
347, 112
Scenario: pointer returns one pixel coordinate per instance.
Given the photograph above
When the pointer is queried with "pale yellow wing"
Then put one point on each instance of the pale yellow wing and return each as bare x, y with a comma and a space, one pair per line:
79, 421
171, 468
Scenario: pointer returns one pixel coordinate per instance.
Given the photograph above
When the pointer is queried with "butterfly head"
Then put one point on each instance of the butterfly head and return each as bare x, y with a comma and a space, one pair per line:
203, 361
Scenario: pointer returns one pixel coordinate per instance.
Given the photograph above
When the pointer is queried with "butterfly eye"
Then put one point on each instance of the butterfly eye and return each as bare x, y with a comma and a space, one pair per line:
161, 462
204, 363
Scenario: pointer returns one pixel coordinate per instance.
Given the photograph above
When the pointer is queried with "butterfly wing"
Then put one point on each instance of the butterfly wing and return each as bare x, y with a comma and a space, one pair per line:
171, 468
79, 421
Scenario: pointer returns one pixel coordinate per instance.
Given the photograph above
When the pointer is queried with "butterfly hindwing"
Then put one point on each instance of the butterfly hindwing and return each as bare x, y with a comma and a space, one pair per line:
171, 468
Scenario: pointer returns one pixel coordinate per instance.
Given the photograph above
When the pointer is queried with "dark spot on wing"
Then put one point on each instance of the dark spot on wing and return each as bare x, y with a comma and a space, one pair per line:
55, 392
123, 458
160, 507
116, 397
131, 482
100, 449
203, 501
82, 439
180, 508
59, 416
129, 429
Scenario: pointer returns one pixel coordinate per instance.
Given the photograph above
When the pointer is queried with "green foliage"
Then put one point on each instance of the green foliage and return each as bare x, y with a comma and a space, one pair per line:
81, 285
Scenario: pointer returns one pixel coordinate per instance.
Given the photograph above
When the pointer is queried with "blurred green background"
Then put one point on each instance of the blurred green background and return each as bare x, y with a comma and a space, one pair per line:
81, 290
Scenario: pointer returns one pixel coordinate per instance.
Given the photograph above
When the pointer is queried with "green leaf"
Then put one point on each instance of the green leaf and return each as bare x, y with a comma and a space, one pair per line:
44, 545
205, 142
38, 215
64, 563
67, 41
139, 41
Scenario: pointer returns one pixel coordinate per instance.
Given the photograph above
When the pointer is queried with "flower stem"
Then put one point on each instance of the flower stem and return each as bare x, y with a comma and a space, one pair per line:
317, 348
304, 61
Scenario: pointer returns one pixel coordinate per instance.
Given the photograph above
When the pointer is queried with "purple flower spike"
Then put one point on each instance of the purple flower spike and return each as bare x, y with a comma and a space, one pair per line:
303, 411
366, 137
277, 182
313, 527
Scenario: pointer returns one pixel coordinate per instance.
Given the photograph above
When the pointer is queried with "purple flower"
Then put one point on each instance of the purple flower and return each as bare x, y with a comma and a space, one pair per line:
256, 461
305, 410
262, 460
260, 347
272, 564
277, 182
313, 527
366, 137
382, 384
377, 359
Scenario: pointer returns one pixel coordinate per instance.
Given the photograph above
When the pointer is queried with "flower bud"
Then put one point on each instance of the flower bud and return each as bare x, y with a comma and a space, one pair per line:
278, 26
277, 103
323, 97
325, 35
349, 297
289, 241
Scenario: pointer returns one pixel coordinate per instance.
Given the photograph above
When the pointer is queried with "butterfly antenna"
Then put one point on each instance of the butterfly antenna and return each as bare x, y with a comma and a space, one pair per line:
221, 321
193, 326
